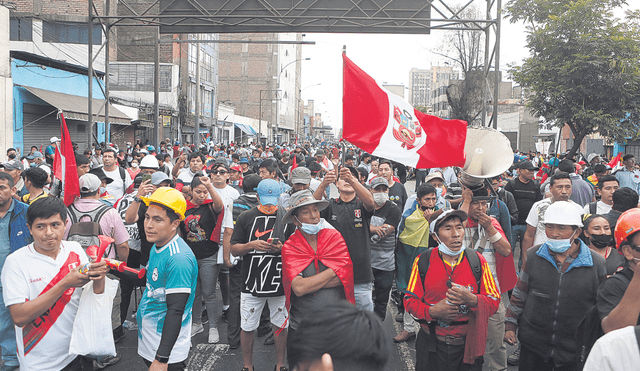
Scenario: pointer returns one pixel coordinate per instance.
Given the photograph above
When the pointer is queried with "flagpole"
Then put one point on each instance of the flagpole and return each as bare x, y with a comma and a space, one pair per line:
344, 53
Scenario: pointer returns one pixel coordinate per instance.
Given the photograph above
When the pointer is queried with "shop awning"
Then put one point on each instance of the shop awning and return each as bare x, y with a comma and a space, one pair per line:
75, 107
246, 129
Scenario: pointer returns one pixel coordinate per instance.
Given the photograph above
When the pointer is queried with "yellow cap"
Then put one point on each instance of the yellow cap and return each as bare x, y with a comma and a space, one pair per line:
169, 197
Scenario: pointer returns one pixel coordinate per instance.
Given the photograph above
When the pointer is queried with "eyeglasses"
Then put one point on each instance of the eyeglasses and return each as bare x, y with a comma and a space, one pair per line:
221, 172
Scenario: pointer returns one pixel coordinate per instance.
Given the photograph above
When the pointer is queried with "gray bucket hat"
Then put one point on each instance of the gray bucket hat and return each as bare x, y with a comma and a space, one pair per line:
302, 198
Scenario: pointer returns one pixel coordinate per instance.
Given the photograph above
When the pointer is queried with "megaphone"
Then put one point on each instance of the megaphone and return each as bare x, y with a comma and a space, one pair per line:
488, 153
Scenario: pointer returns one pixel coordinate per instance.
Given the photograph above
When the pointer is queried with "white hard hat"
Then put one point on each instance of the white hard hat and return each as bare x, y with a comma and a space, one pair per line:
149, 162
563, 213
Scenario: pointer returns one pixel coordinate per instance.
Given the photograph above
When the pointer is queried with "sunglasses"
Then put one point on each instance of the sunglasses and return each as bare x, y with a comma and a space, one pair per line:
221, 172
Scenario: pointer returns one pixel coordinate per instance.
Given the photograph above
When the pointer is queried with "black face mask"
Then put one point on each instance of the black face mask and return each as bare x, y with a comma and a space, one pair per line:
424, 208
12, 156
601, 241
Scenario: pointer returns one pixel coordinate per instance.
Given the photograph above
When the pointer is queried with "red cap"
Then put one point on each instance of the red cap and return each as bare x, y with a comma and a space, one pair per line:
236, 168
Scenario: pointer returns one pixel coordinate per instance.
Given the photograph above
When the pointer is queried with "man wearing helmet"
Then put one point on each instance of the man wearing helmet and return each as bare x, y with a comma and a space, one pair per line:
164, 314
618, 300
557, 285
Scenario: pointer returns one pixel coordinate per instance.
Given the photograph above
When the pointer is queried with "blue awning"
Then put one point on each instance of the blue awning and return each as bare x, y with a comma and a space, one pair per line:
246, 129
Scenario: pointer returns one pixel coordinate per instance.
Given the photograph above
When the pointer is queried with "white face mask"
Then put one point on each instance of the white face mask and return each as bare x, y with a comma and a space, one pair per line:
380, 198
134, 165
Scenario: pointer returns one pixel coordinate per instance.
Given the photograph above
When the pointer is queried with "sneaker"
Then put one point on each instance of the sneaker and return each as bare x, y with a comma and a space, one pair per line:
247, 369
106, 362
282, 368
269, 340
514, 359
225, 313
196, 328
129, 325
214, 336
118, 334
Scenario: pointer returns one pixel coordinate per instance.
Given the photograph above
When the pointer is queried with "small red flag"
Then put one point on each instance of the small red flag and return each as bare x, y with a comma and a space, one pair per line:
615, 161
294, 164
64, 164
385, 125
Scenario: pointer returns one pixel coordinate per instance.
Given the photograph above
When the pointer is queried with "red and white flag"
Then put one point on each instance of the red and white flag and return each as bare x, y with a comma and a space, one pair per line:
385, 125
64, 164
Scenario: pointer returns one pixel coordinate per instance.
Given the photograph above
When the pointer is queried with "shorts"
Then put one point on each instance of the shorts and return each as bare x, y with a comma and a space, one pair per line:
251, 309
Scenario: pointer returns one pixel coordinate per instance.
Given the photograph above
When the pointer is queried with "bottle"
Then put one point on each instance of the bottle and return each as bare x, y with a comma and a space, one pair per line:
375, 238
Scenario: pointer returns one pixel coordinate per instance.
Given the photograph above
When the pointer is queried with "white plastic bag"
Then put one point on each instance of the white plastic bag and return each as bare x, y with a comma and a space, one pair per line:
92, 333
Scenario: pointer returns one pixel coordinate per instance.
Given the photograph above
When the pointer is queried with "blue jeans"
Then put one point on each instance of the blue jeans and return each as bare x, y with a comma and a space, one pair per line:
517, 233
7, 337
208, 270
364, 299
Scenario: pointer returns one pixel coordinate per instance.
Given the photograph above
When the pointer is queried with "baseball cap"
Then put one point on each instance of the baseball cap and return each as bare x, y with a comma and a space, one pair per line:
244, 160
99, 172
434, 175
159, 177
54, 139
269, 191
446, 214
527, 165
34, 155
378, 181
320, 152
89, 183
14, 164
236, 167
301, 175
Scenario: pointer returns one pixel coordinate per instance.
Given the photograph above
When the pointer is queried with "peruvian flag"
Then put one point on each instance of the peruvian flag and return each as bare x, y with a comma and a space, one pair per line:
385, 125
64, 164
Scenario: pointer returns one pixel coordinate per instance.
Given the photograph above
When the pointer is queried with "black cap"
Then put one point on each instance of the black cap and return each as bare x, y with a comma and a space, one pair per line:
527, 165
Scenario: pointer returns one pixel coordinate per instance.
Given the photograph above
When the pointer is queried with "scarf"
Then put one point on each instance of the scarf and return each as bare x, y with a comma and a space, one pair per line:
416, 230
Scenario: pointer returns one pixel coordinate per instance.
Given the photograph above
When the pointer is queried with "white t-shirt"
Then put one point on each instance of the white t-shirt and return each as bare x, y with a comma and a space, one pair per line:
26, 273
615, 351
228, 194
116, 188
601, 208
536, 216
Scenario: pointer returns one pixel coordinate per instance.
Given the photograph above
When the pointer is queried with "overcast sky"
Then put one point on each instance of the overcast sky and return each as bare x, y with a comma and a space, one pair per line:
388, 59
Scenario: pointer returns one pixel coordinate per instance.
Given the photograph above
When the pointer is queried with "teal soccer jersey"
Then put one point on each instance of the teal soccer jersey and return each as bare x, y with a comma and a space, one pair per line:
172, 269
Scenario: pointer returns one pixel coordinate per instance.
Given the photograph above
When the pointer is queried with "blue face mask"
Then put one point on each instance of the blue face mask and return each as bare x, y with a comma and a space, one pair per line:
560, 246
446, 250
311, 228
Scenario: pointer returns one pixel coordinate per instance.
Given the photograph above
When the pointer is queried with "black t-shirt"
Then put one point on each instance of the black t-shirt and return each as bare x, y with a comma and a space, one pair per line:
614, 262
261, 271
525, 194
302, 305
284, 167
197, 226
398, 194
352, 220
612, 290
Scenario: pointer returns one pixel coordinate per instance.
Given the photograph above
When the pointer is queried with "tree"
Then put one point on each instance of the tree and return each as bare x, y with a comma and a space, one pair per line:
583, 69
466, 49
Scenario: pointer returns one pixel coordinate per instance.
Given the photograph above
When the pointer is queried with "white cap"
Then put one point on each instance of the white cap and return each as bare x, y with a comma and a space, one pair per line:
54, 139
563, 213
89, 183
149, 162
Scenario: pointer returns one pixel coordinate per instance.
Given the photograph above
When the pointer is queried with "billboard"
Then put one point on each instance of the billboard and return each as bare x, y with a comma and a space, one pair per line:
262, 16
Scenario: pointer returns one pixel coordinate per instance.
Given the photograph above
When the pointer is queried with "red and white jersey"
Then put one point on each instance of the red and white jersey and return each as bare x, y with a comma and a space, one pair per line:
44, 343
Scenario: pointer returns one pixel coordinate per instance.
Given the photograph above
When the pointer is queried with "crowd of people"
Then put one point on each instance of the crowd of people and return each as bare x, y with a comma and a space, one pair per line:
542, 256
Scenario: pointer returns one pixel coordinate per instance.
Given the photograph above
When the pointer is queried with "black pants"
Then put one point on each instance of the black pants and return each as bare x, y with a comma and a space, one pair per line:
530, 361
180, 366
80, 363
446, 357
382, 282
233, 316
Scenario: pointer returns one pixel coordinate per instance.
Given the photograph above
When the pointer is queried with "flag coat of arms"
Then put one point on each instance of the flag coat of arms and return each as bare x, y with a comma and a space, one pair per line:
385, 125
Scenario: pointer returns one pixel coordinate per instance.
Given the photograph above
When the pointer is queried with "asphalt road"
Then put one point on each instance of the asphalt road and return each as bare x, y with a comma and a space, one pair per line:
218, 357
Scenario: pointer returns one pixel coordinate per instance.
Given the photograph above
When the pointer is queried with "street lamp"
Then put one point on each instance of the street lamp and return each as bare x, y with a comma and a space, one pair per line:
261, 99
278, 86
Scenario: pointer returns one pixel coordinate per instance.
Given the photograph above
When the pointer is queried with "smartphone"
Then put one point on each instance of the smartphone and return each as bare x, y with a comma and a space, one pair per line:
146, 177
273, 241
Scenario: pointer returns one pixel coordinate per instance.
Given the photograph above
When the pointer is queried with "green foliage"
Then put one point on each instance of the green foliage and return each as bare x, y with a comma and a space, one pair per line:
583, 68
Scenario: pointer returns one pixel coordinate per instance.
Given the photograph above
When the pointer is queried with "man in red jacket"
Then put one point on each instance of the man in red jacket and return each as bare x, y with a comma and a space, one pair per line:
484, 234
454, 308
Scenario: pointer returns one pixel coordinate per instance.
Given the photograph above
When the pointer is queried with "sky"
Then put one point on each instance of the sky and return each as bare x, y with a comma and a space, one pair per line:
388, 59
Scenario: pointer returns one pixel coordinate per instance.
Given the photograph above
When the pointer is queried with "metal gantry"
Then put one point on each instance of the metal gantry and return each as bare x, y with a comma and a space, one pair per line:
303, 16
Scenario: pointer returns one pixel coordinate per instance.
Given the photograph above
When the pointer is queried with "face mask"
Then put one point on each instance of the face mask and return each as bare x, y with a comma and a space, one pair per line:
380, 198
311, 228
560, 246
102, 190
446, 250
12, 156
268, 209
601, 241
134, 165
439, 191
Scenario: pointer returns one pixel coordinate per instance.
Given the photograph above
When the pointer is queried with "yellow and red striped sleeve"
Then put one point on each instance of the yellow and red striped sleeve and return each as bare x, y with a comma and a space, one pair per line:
488, 283
414, 279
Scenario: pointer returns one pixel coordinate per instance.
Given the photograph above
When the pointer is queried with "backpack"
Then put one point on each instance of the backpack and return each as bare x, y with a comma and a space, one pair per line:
86, 233
593, 208
474, 262
589, 329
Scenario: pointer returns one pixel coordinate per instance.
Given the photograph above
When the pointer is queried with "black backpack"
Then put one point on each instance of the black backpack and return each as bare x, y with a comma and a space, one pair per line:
474, 262
589, 329
86, 233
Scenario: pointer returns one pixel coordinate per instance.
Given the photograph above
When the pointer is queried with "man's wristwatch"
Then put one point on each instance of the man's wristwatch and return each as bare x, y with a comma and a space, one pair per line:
137, 199
162, 359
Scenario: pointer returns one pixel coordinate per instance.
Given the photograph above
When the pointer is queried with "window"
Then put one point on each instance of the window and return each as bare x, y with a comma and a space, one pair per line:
20, 29
138, 77
71, 33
